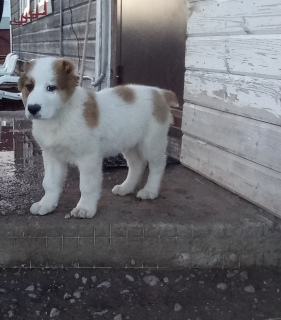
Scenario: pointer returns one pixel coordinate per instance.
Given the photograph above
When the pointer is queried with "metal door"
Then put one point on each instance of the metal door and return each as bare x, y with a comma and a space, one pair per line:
151, 37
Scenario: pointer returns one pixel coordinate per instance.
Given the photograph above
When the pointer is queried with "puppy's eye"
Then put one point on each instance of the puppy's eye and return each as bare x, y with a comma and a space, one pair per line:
51, 88
29, 87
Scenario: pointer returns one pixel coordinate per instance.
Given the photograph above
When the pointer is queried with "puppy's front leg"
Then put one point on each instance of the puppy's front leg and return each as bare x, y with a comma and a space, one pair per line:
90, 186
55, 173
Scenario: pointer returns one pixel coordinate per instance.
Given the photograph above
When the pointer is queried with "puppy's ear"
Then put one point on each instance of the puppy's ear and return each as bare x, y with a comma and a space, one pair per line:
67, 66
21, 81
28, 65
66, 77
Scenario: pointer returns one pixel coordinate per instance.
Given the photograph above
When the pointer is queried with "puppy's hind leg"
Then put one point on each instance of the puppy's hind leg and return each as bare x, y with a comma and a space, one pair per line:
136, 166
154, 150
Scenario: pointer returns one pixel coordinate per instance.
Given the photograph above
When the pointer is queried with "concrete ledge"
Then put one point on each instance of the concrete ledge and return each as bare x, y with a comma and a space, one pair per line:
193, 223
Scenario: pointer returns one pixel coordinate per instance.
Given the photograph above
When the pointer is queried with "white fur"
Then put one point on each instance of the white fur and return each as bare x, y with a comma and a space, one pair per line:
64, 137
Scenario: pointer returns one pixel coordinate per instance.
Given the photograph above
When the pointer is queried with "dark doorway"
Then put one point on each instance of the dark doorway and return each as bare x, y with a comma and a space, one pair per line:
150, 42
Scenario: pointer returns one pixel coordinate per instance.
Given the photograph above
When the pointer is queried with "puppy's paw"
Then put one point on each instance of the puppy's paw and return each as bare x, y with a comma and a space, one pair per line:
82, 213
41, 209
145, 194
121, 190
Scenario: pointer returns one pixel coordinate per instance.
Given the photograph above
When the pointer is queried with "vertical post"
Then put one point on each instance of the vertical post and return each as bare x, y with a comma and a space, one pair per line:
85, 42
61, 29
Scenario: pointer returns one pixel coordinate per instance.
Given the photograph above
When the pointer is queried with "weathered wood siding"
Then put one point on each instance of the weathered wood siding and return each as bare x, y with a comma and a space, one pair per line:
232, 112
42, 37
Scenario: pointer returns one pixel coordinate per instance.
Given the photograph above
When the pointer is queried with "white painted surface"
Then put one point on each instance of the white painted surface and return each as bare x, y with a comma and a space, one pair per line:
234, 17
251, 97
255, 55
251, 181
254, 140
232, 114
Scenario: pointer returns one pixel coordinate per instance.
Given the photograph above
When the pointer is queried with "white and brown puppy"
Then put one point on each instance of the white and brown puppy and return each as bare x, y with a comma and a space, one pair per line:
73, 125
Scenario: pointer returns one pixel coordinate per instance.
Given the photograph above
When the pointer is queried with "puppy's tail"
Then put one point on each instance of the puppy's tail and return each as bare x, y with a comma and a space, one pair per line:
170, 98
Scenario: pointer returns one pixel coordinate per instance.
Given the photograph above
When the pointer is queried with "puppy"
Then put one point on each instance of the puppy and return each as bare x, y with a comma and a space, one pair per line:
78, 126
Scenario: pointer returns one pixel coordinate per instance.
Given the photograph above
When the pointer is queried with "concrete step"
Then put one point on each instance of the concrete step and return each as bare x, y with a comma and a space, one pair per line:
194, 222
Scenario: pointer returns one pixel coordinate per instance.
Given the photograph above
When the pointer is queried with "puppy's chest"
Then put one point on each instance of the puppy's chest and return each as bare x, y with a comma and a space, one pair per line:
58, 142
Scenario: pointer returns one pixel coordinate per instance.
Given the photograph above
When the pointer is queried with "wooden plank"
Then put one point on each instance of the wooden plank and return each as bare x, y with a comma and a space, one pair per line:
50, 22
249, 180
253, 140
41, 47
256, 55
251, 97
48, 35
78, 14
70, 48
73, 3
234, 17
79, 29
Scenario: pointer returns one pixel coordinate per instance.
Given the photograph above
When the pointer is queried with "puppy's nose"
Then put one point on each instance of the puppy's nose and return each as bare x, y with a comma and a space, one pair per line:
34, 108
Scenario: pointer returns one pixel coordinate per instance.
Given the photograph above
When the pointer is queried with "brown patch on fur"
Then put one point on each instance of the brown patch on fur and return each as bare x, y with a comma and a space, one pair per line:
91, 110
67, 80
161, 108
126, 93
171, 98
26, 84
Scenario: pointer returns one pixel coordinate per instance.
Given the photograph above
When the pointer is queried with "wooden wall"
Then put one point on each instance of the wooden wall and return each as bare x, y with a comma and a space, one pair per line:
232, 110
42, 37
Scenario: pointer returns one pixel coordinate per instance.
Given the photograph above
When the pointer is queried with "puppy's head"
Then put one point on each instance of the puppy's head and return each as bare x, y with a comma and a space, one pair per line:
46, 85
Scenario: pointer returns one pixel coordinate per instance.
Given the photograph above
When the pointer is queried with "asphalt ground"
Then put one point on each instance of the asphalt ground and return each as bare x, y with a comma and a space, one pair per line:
140, 294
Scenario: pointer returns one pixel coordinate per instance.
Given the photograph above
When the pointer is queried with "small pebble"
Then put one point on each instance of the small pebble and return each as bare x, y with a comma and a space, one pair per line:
118, 317
177, 307
250, 289
222, 286
130, 278
11, 313
77, 294
151, 280
72, 300
84, 280
100, 313
32, 295
244, 275
94, 278
67, 296
133, 263
30, 288
125, 291
2, 290
37, 313
178, 279
54, 312
166, 280
230, 274
67, 216
76, 275
104, 284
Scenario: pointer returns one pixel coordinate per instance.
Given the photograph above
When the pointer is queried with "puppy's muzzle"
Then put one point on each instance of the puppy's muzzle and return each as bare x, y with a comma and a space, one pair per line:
33, 108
